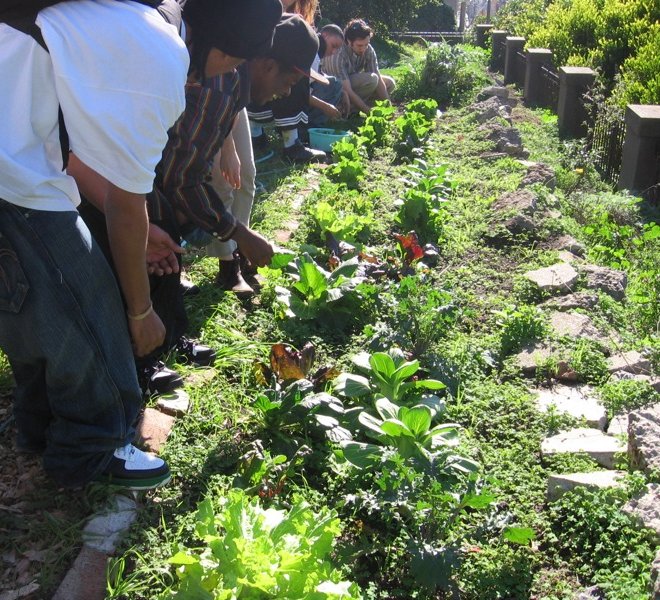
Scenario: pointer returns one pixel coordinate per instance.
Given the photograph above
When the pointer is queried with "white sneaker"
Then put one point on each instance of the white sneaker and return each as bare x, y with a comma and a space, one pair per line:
136, 470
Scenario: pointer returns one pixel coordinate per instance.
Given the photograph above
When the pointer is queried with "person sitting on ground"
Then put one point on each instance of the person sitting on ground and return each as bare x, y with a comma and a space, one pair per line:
356, 66
246, 29
67, 335
326, 100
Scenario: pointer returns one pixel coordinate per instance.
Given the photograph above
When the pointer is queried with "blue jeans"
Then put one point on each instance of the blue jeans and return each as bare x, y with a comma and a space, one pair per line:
331, 93
63, 329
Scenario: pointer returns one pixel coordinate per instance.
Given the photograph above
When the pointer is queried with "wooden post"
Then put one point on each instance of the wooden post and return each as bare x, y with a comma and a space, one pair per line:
482, 32
640, 168
497, 40
571, 112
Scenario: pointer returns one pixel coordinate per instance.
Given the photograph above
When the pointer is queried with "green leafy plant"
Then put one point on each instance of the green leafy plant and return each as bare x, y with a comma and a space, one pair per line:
349, 168
387, 374
253, 552
375, 130
627, 394
423, 206
315, 291
351, 223
519, 325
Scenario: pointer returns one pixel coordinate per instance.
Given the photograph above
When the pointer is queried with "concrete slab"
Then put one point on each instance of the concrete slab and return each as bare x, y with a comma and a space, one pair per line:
579, 401
601, 447
559, 484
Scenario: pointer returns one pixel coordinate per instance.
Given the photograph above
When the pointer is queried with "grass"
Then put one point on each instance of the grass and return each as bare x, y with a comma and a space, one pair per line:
394, 521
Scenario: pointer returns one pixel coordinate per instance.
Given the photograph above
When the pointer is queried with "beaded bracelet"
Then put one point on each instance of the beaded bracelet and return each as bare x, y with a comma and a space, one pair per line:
142, 315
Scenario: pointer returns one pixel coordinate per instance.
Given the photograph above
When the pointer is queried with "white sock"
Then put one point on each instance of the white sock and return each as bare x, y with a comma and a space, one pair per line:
255, 129
289, 137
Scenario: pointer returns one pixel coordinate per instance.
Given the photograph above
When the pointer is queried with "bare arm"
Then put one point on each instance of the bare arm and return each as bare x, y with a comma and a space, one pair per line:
127, 222
331, 111
354, 98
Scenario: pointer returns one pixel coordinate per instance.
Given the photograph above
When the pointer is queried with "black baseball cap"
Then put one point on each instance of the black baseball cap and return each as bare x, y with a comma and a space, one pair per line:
295, 45
239, 28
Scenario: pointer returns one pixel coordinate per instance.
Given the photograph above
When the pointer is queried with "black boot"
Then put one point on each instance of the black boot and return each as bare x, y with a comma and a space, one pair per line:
230, 278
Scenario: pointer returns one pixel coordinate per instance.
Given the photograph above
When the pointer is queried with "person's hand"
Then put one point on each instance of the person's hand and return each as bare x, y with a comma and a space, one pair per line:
345, 104
230, 167
161, 252
146, 334
256, 249
332, 112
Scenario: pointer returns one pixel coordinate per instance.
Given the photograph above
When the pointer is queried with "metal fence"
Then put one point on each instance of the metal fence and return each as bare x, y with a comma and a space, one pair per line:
451, 37
607, 146
549, 87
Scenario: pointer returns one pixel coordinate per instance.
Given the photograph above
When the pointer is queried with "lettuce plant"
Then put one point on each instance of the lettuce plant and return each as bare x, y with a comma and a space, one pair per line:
253, 552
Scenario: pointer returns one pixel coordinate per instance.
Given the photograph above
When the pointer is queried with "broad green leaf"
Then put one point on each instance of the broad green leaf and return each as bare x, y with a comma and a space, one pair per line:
281, 259
181, 558
313, 281
406, 370
417, 419
361, 361
352, 386
370, 422
436, 404
387, 409
478, 501
382, 364
362, 455
519, 535
395, 428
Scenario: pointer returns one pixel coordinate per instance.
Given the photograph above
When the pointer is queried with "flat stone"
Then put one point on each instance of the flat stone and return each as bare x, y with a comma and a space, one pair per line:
576, 325
593, 592
568, 257
618, 425
607, 280
530, 357
521, 201
601, 447
153, 429
582, 300
558, 484
629, 362
560, 277
176, 403
25, 591
570, 244
105, 529
578, 401
539, 173
644, 438
493, 90
645, 507
86, 579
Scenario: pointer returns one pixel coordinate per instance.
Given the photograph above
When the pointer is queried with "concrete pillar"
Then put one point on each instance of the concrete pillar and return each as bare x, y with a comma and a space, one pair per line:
640, 164
461, 22
536, 58
497, 40
513, 46
482, 31
573, 83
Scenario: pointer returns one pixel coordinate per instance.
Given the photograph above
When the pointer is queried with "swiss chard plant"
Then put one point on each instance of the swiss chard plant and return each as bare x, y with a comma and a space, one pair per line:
251, 552
423, 206
315, 292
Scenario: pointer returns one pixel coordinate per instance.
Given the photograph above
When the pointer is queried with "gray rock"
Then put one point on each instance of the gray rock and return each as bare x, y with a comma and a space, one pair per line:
590, 593
644, 438
530, 357
568, 257
572, 301
559, 484
521, 201
601, 447
576, 325
494, 90
506, 139
645, 507
653, 381
490, 109
539, 173
579, 401
618, 425
105, 529
176, 403
560, 277
569, 243
610, 281
655, 577
630, 362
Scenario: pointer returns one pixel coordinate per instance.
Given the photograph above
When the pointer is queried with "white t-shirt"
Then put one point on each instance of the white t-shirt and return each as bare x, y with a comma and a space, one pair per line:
117, 69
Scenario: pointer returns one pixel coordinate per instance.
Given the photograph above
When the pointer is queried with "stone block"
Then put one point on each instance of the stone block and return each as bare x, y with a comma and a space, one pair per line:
153, 429
578, 401
601, 447
560, 277
559, 484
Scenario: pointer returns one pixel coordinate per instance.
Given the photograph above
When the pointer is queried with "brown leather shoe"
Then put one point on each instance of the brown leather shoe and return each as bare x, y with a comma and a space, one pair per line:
230, 278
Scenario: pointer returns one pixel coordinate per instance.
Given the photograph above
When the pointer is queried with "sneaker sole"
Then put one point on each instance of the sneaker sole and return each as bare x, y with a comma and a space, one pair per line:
148, 483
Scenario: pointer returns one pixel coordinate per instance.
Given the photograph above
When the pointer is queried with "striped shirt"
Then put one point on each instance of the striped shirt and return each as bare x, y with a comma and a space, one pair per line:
183, 176
343, 63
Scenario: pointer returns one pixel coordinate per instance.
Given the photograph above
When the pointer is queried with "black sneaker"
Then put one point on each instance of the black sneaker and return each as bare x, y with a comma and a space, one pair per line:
260, 143
135, 470
300, 154
159, 379
195, 352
